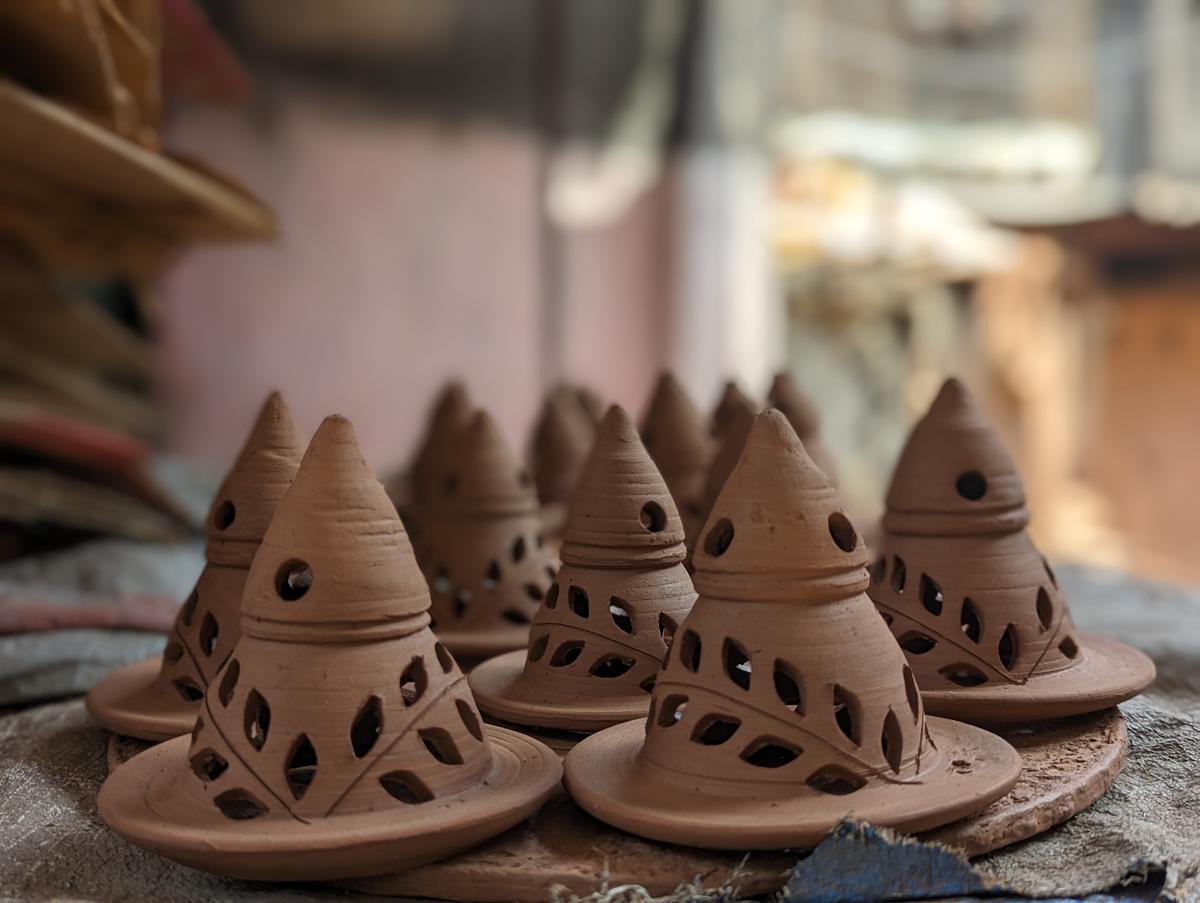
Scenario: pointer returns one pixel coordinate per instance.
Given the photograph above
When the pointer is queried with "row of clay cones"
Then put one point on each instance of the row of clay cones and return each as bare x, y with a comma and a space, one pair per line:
752, 716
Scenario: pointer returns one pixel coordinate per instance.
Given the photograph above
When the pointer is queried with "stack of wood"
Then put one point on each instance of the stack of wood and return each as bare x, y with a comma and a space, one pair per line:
90, 211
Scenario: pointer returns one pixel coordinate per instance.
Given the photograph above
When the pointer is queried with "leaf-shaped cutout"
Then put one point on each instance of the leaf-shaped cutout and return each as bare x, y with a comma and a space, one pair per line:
1007, 648
229, 682
534, 592
566, 654
440, 745
611, 665
187, 688
188, 611
405, 787
931, 595
770, 752
713, 730
1045, 609
916, 643
963, 675
301, 767
789, 686
622, 614
577, 601
737, 663
209, 631
256, 719
239, 805
1069, 647
911, 692
552, 596
891, 741
846, 712
970, 621
673, 709
172, 653
515, 617
445, 659
518, 549
666, 629
491, 577
835, 780
899, 574
647, 685
537, 647
366, 727
462, 601
208, 764
413, 681
689, 650
470, 718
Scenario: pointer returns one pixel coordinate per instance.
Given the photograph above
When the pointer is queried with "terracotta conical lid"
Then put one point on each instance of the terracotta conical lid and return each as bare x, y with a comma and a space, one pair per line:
600, 636
159, 698
969, 597
732, 400
801, 412
733, 435
591, 404
679, 440
451, 412
784, 704
341, 737
561, 439
482, 547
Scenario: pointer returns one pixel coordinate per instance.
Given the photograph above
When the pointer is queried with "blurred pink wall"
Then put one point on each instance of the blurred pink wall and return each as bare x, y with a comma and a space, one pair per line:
408, 254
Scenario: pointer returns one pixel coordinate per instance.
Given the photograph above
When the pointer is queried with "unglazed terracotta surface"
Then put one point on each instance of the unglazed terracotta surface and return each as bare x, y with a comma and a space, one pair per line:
679, 440
340, 739
732, 399
481, 546
561, 439
450, 415
800, 410
970, 599
159, 698
602, 631
732, 436
784, 704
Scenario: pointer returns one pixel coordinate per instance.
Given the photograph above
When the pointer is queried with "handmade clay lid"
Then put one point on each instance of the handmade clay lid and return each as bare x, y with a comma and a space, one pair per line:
784, 704
732, 399
451, 412
158, 698
800, 410
482, 547
970, 599
600, 636
561, 439
341, 739
679, 440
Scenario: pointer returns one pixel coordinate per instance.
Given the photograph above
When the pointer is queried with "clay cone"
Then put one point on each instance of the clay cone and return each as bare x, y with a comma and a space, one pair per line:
561, 440
483, 552
600, 636
739, 420
967, 594
784, 704
802, 414
679, 441
159, 698
340, 739
451, 412
732, 400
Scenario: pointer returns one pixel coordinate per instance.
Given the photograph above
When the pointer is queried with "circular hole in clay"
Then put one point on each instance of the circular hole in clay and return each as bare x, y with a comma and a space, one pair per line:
225, 515
842, 532
293, 580
971, 485
653, 518
719, 538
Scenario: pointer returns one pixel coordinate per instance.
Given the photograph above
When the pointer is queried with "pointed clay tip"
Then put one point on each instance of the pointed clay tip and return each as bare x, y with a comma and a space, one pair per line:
618, 424
273, 428
772, 427
334, 430
953, 396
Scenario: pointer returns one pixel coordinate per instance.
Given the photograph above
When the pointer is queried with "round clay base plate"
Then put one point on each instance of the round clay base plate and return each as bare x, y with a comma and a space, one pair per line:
1068, 765
130, 702
563, 845
141, 800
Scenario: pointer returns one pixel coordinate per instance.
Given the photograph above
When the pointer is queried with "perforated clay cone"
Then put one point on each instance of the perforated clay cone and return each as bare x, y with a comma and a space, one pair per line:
158, 698
784, 704
451, 413
601, 634
801, 412
562, 438
340, 740
678, 438
972, 602
483, 551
